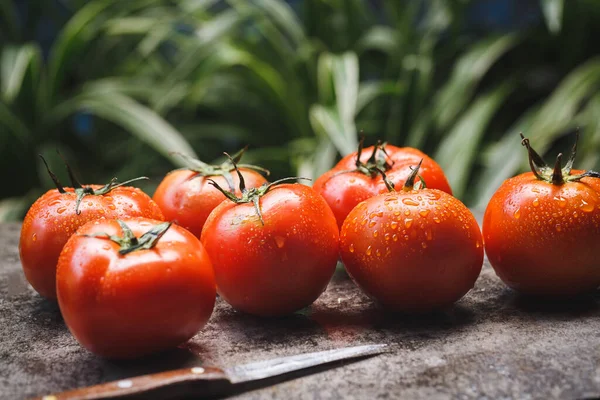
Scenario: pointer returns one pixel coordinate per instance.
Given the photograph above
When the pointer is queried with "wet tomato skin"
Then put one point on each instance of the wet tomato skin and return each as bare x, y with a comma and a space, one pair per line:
542, 239
279, 267
188, 198
52, 219
343, 191
413, 251
126, 306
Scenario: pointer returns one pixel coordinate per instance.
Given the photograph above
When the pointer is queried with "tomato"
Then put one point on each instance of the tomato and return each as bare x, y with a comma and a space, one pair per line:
56, 215
541, 229
274, 249
412, 250
129, 288
356, 178
185, 196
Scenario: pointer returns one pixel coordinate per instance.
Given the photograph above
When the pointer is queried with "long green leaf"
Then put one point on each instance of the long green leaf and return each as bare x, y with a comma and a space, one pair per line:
14, 64
139, 120
71, 38
458, 150
466, 75
542, 127
553, 11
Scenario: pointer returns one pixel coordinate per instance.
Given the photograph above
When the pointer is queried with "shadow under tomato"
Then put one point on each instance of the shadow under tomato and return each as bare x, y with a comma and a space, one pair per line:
296, 327
176, 358
583, 305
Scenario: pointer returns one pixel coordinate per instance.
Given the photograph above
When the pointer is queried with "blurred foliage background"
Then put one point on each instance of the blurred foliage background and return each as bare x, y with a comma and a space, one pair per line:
117, 86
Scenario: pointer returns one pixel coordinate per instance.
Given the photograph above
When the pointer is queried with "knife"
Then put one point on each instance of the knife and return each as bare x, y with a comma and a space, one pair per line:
211, 381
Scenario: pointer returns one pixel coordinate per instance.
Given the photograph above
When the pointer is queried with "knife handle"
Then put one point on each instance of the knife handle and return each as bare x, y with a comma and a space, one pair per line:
204, 381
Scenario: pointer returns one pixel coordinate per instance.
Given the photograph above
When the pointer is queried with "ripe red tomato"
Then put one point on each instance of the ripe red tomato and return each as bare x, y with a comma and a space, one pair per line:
275, 262
185, 196
55, 216
122, 299
356, 178
412, 250
541, 229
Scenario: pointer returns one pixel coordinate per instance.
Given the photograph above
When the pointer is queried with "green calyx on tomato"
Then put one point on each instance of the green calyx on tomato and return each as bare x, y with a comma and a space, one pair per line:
377, 162
410, 183
129, 242
251, 195
82, 191
557, 175
224, 169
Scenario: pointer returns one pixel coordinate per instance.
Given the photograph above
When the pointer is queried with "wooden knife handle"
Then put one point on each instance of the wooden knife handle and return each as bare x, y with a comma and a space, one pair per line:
201, 381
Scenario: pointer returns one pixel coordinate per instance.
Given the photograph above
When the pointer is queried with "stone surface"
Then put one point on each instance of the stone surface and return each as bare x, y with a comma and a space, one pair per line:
492, 344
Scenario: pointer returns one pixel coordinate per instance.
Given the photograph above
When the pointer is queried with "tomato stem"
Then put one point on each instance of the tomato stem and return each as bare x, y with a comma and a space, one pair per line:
251, 195
129, 242
54, 178
410, 181
556, 175
224, 169
388, 184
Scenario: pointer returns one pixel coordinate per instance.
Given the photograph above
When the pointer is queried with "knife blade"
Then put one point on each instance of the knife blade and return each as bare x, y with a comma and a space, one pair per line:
211, 381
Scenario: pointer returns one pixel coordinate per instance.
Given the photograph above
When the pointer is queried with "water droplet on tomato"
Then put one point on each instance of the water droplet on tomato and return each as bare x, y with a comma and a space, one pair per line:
111, 207
375, 233
410, 202
575, 214
562, 202
424, 245
106, 247
558, 228
378, 253
395, 237
408, 222
406, 212
280, 241
428, 234
61, 210
436, 220
364, 221
372, 224
387, 237
478, 244
351, 248
34, 237
351, 180
586, 207
535, 190
397, 213
394, 225
517, 213
55, 202
536, 202
424, 213
369, 250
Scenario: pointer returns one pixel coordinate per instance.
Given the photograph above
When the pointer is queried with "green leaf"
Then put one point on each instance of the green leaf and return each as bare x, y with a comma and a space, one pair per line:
369, 91
14, 64
458, 150
139, 120
284, 17
379, 38
74, 35
542, 127
11, 124
466, 75
553, 12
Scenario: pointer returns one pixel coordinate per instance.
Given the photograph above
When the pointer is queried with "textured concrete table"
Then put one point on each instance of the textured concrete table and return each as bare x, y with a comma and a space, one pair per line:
492, 344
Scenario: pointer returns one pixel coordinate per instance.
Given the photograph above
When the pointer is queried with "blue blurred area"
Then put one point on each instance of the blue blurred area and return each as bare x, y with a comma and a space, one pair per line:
504, 15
